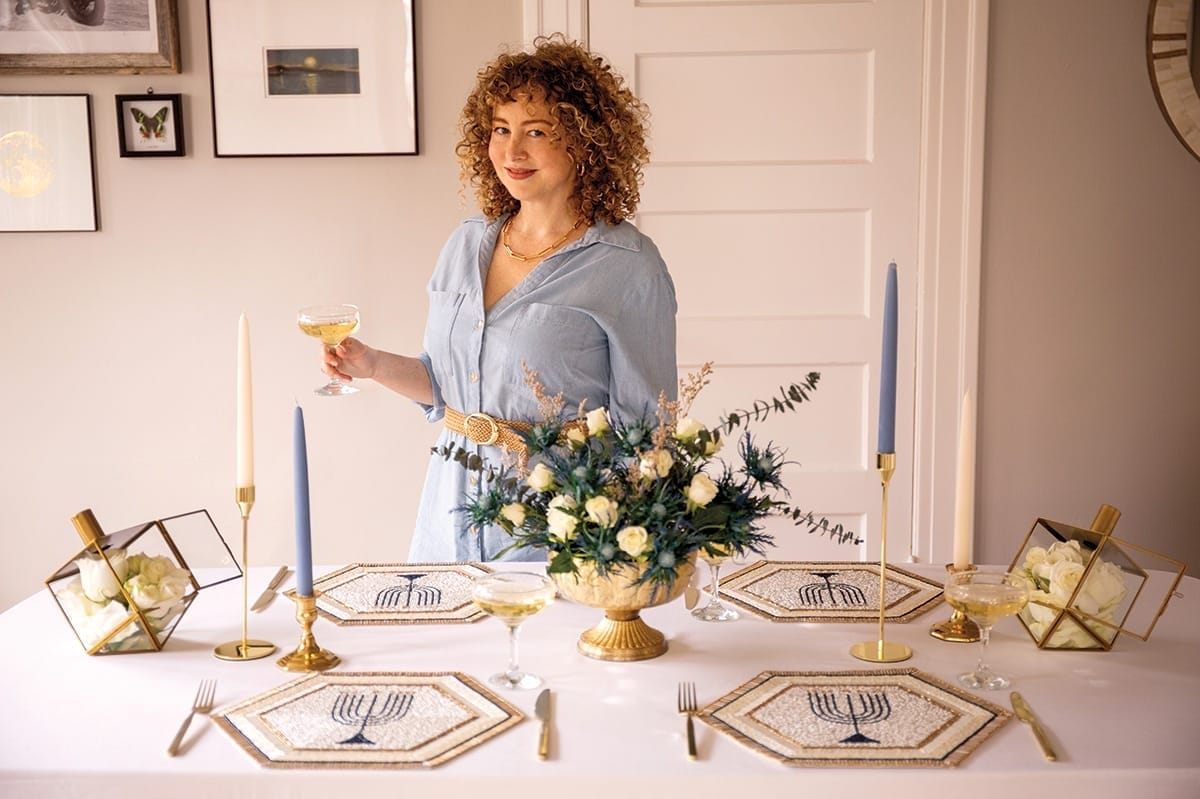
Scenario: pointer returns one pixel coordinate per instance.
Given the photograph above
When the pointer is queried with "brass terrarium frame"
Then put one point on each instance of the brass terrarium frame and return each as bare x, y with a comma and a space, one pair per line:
99, 545
1101, 545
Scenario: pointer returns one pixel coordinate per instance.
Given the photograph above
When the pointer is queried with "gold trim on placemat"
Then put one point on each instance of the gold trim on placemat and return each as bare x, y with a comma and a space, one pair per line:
399, 593
886, 718
832, 591
367, 720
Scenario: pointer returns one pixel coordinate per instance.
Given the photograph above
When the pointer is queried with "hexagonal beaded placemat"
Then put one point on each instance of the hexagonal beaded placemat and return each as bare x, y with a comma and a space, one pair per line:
367, 720
884, 718
399, 593
806, 591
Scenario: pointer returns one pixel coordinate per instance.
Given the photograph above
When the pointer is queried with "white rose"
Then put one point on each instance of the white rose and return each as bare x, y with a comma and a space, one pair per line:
597, 421
1034, 556
514, 512
576, 437
688, 429
713, 446
1069, 635
633, 540
656, 464
1064, 579
541, 478
702, 490
560, 522
601, 510
93, 620
147, 594
98, 581
1068, 551
1103, 590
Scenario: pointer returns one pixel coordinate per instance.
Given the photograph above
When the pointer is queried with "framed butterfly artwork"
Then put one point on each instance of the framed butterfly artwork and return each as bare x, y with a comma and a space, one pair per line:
150, 124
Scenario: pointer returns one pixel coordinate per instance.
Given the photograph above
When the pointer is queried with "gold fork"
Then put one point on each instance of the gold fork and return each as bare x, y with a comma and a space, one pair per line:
687, 706
203, 703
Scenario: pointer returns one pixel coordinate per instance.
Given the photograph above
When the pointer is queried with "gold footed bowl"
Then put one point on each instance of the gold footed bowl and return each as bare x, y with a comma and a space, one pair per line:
621, 635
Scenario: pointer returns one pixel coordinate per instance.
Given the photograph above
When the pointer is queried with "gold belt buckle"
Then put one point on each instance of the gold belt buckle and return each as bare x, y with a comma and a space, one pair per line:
493, 429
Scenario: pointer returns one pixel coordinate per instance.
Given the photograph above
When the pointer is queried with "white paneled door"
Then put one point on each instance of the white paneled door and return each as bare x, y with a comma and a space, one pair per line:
785, 175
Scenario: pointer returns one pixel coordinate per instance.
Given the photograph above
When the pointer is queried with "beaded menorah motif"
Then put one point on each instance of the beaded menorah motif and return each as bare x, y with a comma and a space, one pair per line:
348, 709
870, 709
816, 594
403, 595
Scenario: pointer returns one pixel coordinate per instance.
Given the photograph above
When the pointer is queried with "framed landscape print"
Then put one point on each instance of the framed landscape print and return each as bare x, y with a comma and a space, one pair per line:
77, 36
47, 175
291, 77
150, 124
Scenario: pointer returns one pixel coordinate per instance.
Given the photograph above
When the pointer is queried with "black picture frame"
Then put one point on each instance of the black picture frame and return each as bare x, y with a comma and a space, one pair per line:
150, 125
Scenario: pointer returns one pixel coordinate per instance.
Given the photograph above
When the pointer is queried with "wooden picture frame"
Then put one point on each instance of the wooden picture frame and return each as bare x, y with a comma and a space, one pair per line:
294, 79
150, 125
47, 168
85, 36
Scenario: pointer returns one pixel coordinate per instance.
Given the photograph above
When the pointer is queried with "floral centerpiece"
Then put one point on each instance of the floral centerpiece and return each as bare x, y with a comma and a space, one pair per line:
637, 500
1054, 576
113, 594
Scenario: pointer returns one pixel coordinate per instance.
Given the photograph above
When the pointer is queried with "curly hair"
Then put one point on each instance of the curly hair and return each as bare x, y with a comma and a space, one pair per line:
601, 122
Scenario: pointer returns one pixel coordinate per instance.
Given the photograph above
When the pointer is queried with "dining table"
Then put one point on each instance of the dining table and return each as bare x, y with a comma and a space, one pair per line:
1124, 722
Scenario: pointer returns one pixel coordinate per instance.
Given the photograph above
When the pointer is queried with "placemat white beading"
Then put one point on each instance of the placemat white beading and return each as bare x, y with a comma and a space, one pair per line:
804, 591
887, 718
367, 719
399, 593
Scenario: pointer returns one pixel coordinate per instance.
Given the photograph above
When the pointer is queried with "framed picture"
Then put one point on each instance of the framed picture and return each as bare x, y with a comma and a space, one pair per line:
291, 77
150, 124
47, 174
76, 36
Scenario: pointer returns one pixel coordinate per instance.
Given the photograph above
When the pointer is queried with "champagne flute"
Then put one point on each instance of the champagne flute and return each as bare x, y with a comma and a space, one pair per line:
985, 597
715, 555
512, 597
332, 324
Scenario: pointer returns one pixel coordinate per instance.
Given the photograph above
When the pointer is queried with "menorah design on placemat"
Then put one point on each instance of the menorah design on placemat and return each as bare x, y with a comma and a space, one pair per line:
427, 596
871, 709
348, 709
816, 594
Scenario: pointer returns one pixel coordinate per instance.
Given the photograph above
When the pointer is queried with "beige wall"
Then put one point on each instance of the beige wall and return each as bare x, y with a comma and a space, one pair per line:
123, 342
120, 391
1090, 335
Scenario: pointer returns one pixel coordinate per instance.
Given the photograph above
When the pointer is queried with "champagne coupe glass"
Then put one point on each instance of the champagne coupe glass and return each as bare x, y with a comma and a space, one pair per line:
332, 324
715, 610
985, 597
512, 597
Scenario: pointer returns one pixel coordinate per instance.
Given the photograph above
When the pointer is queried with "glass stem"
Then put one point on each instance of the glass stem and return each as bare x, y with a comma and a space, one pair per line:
513, 669
714, 599
984, 634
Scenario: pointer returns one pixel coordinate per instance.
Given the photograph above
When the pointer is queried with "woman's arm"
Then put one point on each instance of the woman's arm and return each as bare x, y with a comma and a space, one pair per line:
404, 375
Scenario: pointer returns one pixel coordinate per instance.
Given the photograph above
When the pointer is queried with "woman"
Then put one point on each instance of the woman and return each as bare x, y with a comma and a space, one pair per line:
550, 275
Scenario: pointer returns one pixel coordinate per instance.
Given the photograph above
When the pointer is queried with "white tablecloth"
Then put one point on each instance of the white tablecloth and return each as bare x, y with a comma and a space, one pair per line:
1126, 722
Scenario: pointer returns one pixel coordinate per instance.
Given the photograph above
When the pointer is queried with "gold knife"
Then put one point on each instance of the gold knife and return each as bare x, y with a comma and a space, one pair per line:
1025, 714
268, 594
541, 709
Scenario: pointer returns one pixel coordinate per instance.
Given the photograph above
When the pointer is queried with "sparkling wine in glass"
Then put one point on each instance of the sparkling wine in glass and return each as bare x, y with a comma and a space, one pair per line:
985, 597
333, 324
715, 610
513, 597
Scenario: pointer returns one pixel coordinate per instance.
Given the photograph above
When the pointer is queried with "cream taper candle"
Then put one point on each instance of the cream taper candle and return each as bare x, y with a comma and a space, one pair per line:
964, 488
245, 420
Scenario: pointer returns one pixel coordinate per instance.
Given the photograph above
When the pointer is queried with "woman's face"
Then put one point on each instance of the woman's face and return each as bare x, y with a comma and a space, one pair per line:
531, 161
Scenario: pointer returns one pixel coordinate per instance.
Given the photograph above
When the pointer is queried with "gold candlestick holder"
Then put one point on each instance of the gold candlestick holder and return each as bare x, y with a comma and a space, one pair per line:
880, 651
244, 649
309, 656
958, 628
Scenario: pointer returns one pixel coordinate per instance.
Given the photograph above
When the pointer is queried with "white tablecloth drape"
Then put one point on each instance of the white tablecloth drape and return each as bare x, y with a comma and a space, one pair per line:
1125, 722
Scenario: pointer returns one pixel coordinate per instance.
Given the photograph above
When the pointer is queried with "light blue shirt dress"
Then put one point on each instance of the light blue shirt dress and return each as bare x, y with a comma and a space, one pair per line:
596, 320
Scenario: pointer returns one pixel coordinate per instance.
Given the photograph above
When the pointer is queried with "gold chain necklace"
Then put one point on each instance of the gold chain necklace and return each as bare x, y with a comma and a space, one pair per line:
543, 253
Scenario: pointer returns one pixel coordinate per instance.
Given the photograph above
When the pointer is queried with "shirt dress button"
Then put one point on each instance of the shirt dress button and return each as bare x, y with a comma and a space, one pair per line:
474, 377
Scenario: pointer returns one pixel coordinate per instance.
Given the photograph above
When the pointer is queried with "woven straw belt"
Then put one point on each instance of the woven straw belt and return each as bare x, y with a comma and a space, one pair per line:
485, 429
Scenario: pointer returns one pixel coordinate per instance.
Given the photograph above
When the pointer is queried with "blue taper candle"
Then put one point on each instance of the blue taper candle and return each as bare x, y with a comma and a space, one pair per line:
303, 524
887, 367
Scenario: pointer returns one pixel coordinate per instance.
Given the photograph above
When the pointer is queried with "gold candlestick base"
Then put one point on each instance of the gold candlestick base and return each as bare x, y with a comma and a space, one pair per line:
244, 648
309, 656
880, 651
957, 629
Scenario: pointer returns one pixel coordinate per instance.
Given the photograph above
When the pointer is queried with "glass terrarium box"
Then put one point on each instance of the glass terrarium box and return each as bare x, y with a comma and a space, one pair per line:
1087, 586
126, 592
